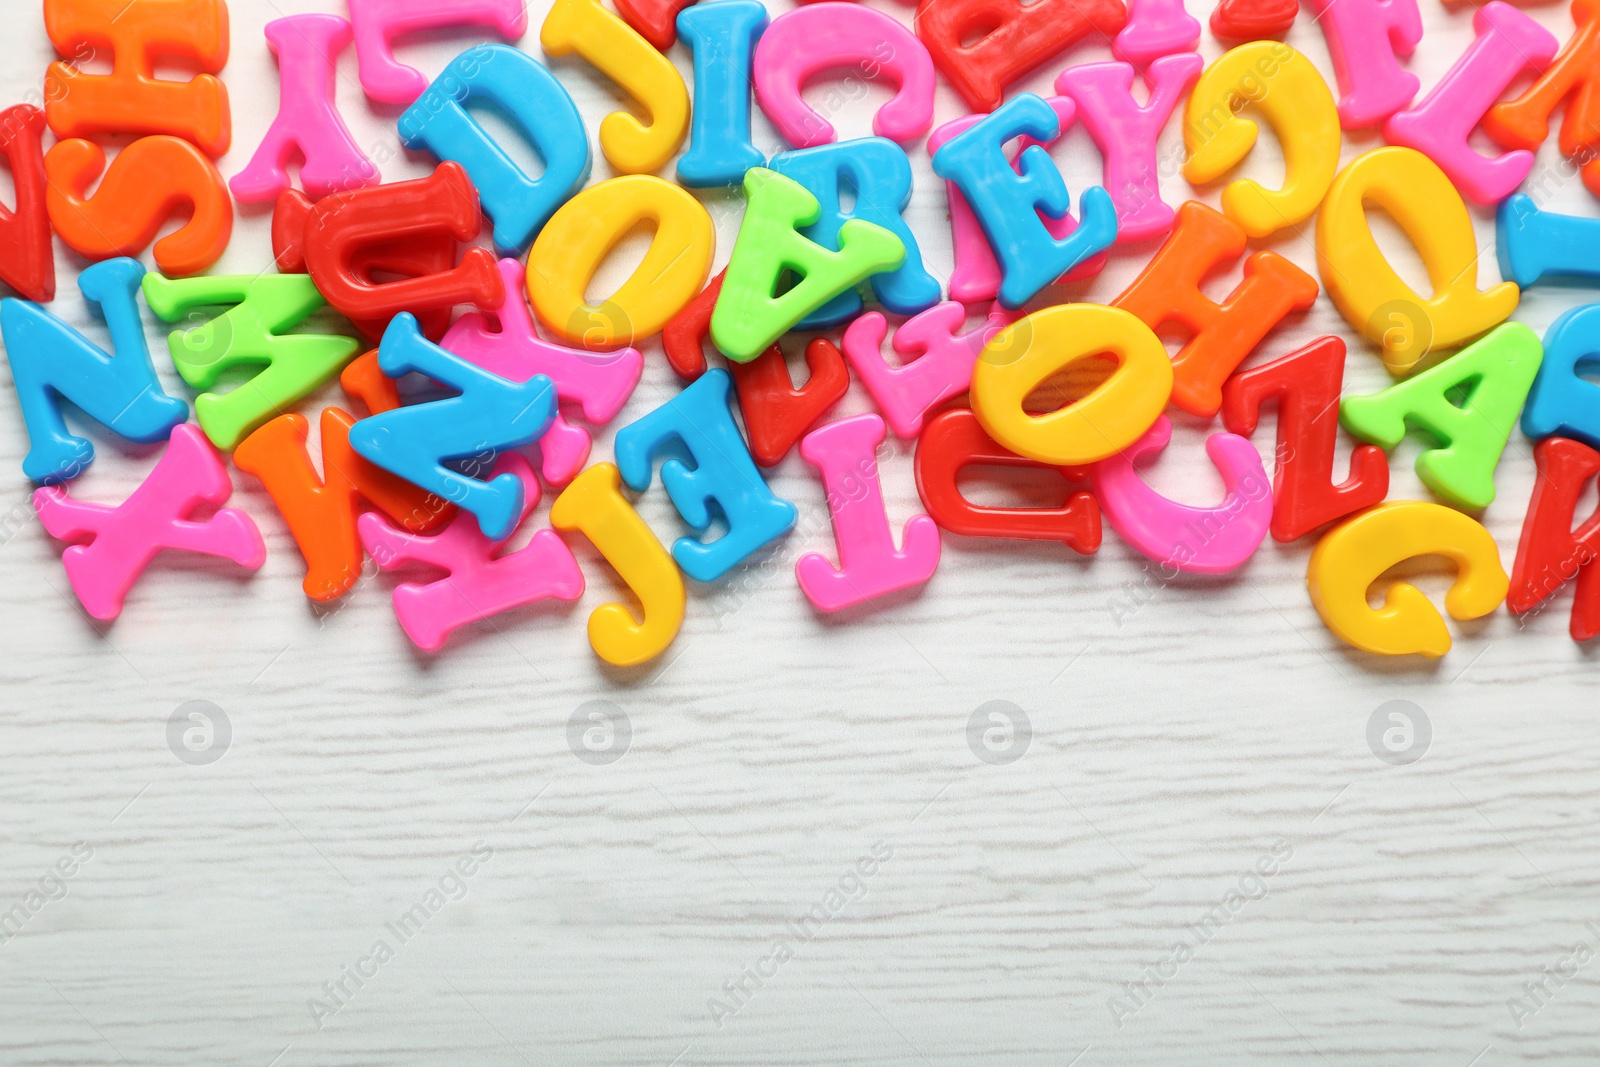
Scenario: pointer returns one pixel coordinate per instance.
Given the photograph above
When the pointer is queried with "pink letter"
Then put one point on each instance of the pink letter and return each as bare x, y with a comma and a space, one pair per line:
976, 278
1155, 28
1189, 539
845, 452
122, 540
1364, 37
600, 384
1507, 43
1126, 133
308, 124
480, 582
378, 22
803, 43
936, 360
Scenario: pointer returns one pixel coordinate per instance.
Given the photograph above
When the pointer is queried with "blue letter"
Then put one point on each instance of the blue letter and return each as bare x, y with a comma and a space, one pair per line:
723, 36
1007, 203
51, 361
723, 475
518, 87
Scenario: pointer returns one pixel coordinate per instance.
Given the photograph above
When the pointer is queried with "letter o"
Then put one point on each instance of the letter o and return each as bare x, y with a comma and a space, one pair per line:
1021, 357
579, 236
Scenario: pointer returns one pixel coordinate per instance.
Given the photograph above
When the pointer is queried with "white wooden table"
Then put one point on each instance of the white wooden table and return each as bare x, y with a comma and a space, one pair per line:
1018, 910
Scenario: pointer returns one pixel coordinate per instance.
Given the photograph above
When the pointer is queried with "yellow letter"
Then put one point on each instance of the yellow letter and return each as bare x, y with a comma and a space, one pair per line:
1412, 189
1024, 355
582, 233
594, 506
1351, 557
1288, 91
617, 51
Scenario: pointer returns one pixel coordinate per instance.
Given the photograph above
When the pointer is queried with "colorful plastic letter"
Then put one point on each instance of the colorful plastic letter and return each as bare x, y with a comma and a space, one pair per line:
1541, 246
1252, 20
845, 453
936, 360
1551, 550
776, 414
1155, 28
1020, 38
1008, 202
1221, 336
1369, 294
518, 87
131, 99
723, 36
1188, 539
321, 510
1495, 372
1364, 39
657, 22
1562, 401
342, 228
582, 233
488, 416
151, 181
1126, 132
378, 22
599, 383
1573, 79
831, 36
253, 333
877, 171
52, 362
1352, 556
111, 546
482, 579
612, 47
1507, 43
594, 506
954, 441
1286, 89
308, 124
1305, 383
419, 257
748, 317
722, 476
27, 262
976, 277
1030, 351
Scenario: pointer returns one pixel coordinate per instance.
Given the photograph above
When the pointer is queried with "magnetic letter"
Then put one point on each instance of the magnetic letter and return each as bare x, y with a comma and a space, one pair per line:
1495, 373
112, 546
845, 453
51, 362
594, 506
1008, 203
308, 123
519, 88
252, 333
1221, 336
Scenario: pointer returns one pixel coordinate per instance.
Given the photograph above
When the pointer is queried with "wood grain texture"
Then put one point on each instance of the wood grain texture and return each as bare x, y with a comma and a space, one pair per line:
1174, 746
